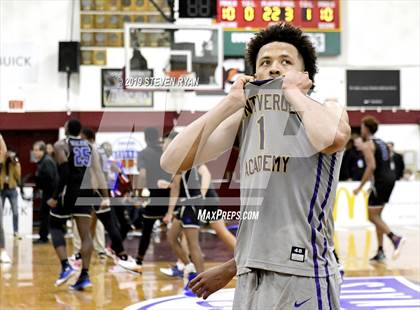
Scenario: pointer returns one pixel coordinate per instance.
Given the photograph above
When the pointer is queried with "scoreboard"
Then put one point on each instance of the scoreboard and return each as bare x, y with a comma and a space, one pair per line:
310, 15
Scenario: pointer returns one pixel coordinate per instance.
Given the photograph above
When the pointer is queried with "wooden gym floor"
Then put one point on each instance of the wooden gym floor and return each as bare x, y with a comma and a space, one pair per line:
28, 283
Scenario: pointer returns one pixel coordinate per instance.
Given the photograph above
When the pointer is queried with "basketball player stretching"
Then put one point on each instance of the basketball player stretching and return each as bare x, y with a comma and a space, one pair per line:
291, 150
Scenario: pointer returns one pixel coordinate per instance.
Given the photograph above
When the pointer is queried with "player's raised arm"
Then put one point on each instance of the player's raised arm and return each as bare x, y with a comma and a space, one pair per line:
173, 198
61, 151
368, 151
205, 174
98, 177
209, 136
326, 125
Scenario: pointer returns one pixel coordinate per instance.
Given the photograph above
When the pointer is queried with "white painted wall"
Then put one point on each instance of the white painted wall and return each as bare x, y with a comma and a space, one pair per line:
406, 139
383, 33
42, 24
387, 38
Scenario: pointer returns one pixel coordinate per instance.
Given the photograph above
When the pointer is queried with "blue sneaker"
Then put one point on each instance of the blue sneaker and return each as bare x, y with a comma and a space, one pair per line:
174, 271
81, 284
65, 275
187, 290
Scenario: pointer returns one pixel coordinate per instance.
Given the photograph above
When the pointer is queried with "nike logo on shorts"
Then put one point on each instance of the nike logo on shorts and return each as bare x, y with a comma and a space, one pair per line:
297, 305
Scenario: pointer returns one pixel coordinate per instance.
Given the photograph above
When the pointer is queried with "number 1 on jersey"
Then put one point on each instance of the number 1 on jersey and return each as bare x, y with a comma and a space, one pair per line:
260, 122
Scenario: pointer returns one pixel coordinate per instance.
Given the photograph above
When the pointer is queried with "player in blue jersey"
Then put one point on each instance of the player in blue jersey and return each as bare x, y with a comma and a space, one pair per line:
79, 170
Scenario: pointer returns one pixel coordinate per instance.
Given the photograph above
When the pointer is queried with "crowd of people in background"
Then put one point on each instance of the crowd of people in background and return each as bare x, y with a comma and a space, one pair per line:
138, 202
354, 165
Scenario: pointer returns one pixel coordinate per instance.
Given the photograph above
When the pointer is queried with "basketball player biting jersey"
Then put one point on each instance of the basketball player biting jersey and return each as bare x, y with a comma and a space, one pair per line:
291, 149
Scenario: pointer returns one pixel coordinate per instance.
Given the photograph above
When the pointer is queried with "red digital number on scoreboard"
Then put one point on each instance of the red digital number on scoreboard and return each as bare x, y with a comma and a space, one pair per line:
313, 15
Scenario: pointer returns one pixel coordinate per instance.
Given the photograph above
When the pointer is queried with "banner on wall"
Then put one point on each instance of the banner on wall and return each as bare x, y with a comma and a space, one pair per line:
19, 62
125, 147
373, 88
114, 95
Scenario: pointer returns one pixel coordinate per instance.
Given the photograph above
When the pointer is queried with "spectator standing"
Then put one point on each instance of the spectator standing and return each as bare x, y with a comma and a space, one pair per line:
9, 181
397, 161
46, 180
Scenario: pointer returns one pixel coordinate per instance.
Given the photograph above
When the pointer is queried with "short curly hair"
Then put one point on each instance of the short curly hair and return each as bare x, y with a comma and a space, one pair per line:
74, 127
284, 32
371, 123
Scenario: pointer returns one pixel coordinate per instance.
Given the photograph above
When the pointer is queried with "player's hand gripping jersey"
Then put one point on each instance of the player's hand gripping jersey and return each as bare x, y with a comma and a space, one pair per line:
291, 186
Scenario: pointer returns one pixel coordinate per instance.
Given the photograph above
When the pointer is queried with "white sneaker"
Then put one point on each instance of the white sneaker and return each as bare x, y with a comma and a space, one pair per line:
180, 265
4, 258
398, 245
188, 269
75, 261
173, 271
110, 253
130, 265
